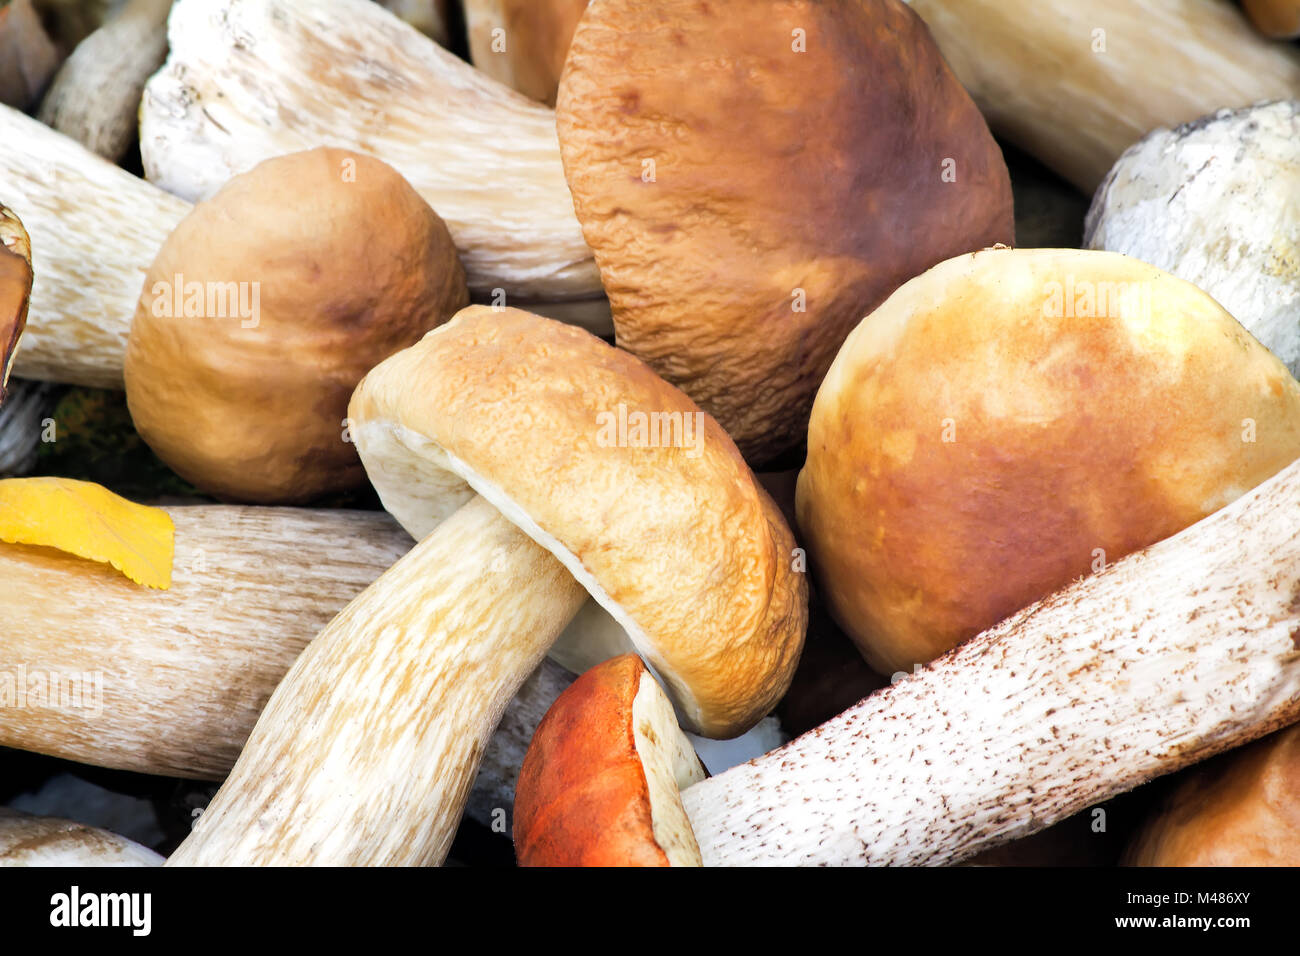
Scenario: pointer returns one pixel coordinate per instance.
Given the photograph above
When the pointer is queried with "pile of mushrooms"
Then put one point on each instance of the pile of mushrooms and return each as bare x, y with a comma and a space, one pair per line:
549, 283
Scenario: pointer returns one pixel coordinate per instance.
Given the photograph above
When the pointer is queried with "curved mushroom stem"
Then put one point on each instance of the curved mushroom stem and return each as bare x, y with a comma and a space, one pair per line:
97, 228
367, 749
250, 80
172, 682
1133, 65
48, 841
1163, 659
95, 96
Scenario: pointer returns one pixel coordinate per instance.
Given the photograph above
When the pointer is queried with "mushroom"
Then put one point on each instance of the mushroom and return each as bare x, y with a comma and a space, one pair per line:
1240, 809
1214, 202
427, 16
754, 179
171, 682
367, 747
1274, 18
15, 290
1011, 420
86, 287
250, 80
1165, 658
600, 785
522, 43
1077, 84
264, 308
48, 841
27, 56
95, 96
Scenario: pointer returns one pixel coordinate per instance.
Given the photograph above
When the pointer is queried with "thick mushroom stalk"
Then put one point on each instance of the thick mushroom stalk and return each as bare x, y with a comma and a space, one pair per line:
251, 80
1163, 659
48, 841
1132, 65
171, 682
365, 753
97, 228
1166, 657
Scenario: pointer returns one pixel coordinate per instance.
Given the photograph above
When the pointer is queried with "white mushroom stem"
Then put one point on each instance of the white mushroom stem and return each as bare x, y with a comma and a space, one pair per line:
96, 669
22, 415
249, 79
1214, 202
95, 96
48, 841
367, 749
1163, 659
95, 228
1076, 84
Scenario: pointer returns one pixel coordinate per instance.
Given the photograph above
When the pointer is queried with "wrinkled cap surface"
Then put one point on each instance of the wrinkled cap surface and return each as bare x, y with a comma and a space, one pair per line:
642, 496
754, 178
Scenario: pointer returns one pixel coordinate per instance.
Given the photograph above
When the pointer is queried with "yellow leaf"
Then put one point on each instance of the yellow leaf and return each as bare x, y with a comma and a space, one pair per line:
88, 520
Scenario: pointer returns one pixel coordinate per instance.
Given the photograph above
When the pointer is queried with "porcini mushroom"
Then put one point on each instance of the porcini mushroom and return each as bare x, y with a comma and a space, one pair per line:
1240, 809
1213, 202
1165, 658
601, 783
95, 96
264, 308
1274, 18
171, 682
1013, 419
522, 43
755, 178
15, 290
48, 841
250, 80
1077, 84
491, 435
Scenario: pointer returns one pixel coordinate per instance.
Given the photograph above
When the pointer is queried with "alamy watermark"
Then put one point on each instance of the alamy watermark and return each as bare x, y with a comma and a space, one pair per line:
52, 690
207, 300
637, 429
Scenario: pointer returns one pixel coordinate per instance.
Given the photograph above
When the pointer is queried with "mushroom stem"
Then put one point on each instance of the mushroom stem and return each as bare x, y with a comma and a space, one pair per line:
171, 682
48, 841
250, 80
96, 230
1163, 659
95, 97
367, 749
1132, 65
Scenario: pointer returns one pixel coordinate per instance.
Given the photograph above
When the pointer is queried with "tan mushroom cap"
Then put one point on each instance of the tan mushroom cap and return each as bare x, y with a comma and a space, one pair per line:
675, 538
15, 289
1240, 809
1011, 418
310, 269
535, 40
790, 191
1274, 18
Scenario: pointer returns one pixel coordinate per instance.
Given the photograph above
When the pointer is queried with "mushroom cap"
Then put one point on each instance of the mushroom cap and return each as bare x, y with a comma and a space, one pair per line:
791, 193
978, 444
328, 262
1274, 18
537, 35
599, 785
15, 289
1214, 203
663, 524
1240, 809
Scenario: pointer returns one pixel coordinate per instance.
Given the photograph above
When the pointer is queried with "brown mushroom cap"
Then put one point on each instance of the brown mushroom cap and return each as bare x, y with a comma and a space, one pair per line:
336, 263
536, 37
673, 536
781, 180
15, 289
1008, 419
1274, 18
1240, 809
600, 783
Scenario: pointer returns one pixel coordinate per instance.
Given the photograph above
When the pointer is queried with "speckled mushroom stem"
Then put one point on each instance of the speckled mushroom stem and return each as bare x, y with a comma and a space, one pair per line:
1077, 84
95, 228
367, 749
171, 682
1163, 659
95, 96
